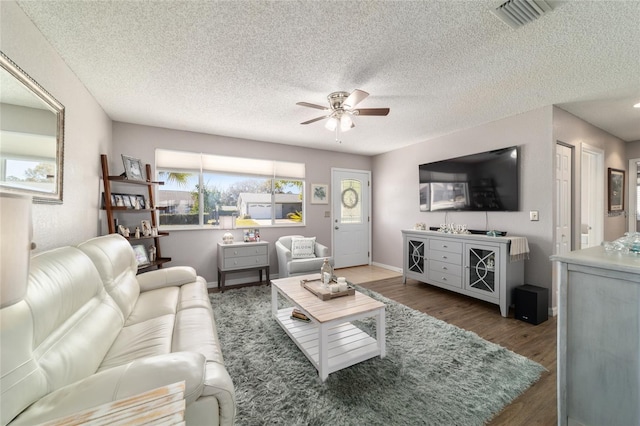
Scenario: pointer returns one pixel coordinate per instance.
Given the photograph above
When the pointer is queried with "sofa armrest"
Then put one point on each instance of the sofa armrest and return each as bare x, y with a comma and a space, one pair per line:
321, 251
218, 383
284, 257
120, 382
166, 277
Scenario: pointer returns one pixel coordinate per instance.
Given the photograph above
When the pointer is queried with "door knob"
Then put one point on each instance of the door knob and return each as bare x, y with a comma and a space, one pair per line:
337, 227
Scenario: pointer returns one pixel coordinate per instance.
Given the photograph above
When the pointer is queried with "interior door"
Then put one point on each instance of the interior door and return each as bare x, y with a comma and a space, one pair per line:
591, 196
351, 195
563, 235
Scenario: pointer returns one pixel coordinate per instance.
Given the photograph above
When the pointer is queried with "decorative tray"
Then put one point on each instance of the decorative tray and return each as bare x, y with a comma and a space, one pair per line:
315, 287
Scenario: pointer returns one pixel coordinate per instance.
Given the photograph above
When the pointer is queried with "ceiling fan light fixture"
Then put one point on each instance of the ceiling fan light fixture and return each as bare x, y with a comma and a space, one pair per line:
331, 124
345, 123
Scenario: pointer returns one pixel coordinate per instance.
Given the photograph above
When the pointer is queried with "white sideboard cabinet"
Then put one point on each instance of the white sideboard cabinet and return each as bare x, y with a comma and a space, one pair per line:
598, 338
476, 265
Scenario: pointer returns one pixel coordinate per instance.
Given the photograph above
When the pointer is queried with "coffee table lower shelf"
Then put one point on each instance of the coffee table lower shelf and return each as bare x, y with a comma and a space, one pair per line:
346, 344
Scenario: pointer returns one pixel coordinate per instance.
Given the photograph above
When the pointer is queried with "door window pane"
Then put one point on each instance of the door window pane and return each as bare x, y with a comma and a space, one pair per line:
351, 201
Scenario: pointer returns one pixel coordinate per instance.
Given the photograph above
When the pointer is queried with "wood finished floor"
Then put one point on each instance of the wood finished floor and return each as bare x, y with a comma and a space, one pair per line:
537, 405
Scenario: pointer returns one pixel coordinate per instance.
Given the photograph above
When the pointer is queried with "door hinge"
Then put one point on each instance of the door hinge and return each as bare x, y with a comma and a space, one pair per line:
368, 254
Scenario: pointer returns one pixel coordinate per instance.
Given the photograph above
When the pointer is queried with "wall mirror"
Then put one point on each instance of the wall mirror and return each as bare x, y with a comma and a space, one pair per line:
31, 136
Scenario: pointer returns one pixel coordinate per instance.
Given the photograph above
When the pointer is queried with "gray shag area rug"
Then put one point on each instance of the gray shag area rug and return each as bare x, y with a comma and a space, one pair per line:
434, 373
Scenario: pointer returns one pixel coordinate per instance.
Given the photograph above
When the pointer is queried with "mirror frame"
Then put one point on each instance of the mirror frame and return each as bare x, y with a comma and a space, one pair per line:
58, 109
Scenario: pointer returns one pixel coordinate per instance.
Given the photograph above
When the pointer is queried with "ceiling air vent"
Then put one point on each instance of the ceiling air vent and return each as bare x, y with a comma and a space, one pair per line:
517, 13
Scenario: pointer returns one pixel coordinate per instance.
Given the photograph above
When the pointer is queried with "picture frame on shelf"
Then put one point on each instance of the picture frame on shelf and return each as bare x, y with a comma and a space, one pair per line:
319, 193
141, 254
126, 199
142, 201
615, 196
119, 200
133, 168
134, 201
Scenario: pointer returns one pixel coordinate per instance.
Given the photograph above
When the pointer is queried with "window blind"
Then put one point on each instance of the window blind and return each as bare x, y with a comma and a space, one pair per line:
170, 159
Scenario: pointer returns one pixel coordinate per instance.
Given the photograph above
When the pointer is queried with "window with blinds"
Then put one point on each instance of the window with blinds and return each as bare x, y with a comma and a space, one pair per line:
200, 189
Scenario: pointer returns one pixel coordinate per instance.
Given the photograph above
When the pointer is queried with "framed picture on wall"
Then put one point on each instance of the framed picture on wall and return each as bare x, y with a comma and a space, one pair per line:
615, 190
319, 193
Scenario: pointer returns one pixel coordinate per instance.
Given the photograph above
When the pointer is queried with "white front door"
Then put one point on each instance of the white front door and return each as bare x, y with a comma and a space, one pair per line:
351, 195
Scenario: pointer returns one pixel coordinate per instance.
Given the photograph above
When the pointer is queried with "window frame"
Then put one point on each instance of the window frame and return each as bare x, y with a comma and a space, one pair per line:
162, 166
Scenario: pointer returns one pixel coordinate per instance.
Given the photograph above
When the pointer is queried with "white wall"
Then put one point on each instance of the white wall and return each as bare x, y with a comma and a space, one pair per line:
87, 132
198, 248
395, 189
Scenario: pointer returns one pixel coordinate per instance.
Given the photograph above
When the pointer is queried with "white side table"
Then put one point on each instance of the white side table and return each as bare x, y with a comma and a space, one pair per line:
239, 257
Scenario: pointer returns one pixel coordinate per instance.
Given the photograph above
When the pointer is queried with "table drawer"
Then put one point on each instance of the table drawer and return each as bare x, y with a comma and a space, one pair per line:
445, 268
444, 278
232, 252
445, 256
245, 262
445, 245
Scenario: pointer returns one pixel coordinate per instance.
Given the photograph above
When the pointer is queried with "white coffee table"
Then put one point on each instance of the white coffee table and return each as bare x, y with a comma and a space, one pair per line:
329, 340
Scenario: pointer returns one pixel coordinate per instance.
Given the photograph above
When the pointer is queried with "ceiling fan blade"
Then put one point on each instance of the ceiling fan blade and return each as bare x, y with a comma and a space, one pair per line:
315, 119
355, 98
307, 104
372, 111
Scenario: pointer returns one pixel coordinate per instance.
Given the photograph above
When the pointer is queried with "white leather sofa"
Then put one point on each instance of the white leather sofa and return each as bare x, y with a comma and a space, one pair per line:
88, 331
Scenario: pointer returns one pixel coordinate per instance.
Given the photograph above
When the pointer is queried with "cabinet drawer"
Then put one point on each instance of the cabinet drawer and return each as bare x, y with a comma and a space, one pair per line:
445, 245
245, 262
445, 268
233, 252
443, 278
445, 256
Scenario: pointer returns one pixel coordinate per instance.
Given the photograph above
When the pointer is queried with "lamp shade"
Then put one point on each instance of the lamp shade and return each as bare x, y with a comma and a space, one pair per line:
345, 123
331, 124
15, 247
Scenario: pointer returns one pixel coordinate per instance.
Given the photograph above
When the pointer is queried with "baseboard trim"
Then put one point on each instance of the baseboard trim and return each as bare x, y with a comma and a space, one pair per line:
236, 281
389, 267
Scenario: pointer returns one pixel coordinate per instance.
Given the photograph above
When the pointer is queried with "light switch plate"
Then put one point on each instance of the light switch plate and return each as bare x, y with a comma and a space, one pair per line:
533, 215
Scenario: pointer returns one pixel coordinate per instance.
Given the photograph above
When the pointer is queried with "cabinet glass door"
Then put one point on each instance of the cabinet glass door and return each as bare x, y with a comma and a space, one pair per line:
416, 256
481, 264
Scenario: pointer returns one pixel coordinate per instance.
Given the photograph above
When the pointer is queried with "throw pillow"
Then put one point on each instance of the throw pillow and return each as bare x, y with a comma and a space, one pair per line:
303, 247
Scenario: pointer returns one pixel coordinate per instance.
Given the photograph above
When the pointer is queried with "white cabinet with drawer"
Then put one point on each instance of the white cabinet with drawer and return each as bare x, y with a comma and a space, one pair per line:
475, 265
445, 262
236, 257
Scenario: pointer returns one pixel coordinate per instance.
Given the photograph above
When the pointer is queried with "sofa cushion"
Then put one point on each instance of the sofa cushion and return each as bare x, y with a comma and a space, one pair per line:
116, 263
302, 248
190, 335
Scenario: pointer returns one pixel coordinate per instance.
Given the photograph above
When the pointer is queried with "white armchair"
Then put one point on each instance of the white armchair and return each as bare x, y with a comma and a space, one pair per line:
289, 264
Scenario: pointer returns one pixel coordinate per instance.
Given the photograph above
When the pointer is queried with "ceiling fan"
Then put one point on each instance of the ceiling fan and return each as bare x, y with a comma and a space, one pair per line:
342, 108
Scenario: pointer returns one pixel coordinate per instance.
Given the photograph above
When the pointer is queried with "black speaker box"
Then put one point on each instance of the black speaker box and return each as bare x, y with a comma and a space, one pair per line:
532, 304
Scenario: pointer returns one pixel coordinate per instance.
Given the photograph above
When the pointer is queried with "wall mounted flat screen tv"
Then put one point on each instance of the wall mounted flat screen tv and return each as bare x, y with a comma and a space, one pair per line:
487, 181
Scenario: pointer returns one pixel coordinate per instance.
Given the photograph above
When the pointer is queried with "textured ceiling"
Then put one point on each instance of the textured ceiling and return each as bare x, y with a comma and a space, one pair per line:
237, 68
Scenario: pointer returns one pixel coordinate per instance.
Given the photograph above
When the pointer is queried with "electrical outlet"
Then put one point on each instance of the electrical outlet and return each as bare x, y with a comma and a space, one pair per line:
533, 215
